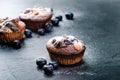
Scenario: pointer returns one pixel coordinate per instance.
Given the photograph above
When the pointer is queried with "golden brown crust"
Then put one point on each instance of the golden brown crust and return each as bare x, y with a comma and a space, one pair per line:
68, 59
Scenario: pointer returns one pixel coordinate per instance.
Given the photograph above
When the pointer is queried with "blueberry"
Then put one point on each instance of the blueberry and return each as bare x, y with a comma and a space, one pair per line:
41, 31
48, 27
59, 17
55, 64
41, 62
16, 44
69, 15
48, 69
28, 33
55, 22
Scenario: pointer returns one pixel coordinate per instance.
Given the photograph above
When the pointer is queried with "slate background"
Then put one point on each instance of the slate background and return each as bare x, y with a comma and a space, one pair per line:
96, 22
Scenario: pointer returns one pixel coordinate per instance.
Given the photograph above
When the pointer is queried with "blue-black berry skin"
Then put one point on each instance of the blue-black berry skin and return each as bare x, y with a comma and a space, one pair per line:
40, 62
48, 27
55, 64
55, 22
48, 69
69, 16
16, 44
41, 31
59, 17
28, 33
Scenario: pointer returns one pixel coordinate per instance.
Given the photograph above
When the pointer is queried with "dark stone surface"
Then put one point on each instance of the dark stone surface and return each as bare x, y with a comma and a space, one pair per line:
96, 22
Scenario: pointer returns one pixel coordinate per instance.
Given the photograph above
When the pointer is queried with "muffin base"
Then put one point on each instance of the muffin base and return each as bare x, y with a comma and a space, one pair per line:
35, 25
8, 37
67, 59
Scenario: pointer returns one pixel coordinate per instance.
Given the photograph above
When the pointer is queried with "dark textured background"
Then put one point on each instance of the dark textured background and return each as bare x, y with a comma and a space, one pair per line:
96, 22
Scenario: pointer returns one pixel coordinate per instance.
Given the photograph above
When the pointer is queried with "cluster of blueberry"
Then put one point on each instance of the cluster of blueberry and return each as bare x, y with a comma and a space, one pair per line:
46, 29
48, 68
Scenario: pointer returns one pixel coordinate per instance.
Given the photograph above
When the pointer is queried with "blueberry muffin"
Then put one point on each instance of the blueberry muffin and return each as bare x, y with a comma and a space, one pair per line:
67, 49
11, 29
35, 18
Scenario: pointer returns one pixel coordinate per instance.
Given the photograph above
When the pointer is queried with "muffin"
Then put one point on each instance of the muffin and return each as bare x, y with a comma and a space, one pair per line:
35, 18
11, 29
66, 49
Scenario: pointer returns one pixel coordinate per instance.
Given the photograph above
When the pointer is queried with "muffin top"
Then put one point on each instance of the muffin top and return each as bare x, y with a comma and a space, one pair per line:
9, 25
36, 14
65, 45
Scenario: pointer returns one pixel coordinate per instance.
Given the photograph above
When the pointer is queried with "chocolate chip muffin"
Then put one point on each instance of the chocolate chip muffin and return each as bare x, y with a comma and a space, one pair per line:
11, 29
67, 49
35, 18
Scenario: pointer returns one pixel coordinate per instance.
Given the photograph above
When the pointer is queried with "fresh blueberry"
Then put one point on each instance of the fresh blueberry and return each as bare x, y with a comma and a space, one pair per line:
41, 31
48, 27
69, 16
16, 44
55, 64
59, 17
28, 33
48, 69
55, 22
41, 62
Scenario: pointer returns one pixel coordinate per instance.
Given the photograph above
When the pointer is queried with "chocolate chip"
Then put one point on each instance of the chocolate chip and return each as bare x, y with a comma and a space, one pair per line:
67, 42
53, 41
57, 44
11, 26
